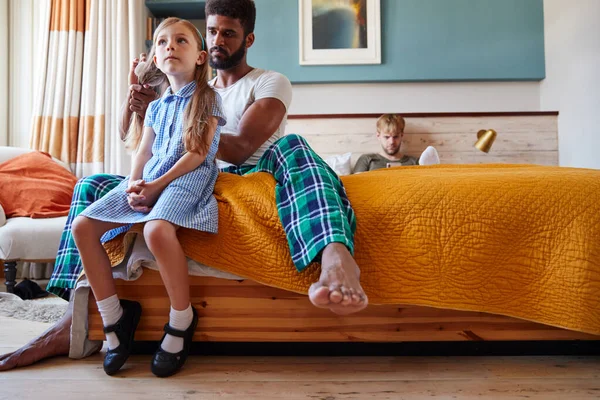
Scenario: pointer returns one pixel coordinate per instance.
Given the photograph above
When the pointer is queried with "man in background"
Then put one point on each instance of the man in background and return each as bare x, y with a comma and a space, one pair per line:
390, 131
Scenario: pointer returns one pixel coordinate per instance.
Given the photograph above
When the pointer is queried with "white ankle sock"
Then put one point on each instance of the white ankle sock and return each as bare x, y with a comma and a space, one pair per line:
110, 310
429, 156
180, 320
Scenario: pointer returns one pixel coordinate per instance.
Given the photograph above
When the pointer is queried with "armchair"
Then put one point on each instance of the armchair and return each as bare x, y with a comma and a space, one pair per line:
26, 239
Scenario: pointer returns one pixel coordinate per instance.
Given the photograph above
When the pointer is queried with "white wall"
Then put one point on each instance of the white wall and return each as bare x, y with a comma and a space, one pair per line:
572, 84
3, 72
416, 97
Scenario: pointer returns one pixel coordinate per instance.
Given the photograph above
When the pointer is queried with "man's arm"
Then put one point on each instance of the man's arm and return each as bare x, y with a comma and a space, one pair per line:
362, 165
259, 123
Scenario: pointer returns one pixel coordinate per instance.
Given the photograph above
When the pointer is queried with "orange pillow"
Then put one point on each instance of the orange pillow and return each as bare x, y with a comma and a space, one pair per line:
33, 185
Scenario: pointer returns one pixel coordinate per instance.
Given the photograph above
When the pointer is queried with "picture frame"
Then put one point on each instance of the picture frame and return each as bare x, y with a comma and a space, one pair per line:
339, 32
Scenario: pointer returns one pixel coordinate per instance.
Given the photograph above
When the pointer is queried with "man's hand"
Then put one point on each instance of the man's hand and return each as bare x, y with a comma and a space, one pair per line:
140, 96
133, 79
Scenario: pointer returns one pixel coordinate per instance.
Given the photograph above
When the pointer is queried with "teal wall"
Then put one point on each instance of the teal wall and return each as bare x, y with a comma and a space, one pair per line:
422, 40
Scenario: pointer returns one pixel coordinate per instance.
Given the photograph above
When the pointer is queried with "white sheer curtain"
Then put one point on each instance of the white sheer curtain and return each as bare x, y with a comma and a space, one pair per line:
3, 72
126, 28
85, 53
114, 35
26, 22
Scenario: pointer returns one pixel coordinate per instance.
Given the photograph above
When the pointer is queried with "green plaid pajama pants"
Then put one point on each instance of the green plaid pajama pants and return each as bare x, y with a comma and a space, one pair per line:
311, 201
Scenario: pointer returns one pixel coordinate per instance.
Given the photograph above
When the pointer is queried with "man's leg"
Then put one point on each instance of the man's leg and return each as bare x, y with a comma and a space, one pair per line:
318, 221
56, 340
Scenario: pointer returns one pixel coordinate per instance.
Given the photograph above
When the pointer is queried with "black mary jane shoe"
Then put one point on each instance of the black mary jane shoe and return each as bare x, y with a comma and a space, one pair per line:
166, 364
125, 331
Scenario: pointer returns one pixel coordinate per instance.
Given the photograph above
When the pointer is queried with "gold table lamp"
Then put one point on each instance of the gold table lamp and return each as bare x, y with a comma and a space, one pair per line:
485, 139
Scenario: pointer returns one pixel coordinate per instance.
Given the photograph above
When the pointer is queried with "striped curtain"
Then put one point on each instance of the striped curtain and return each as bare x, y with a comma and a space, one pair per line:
88, 49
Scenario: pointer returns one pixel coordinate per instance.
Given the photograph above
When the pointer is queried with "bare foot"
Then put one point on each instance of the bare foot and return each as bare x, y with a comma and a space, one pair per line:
338, 288
54, 342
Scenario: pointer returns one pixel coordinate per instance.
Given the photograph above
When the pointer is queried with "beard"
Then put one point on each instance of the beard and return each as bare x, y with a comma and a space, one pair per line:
229, 62
392, 152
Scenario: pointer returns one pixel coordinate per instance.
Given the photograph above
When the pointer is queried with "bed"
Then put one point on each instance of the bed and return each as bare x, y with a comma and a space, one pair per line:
551, 294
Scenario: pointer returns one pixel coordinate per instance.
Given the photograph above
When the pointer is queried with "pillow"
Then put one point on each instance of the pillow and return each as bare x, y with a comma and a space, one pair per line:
35, 186
340, 163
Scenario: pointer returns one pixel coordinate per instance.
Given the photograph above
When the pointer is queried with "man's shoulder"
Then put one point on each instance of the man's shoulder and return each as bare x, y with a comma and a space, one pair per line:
369, 156
267, 75
410, 160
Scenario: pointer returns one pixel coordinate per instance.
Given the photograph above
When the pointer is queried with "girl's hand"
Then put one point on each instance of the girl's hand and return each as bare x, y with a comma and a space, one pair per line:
150, 194
134, 197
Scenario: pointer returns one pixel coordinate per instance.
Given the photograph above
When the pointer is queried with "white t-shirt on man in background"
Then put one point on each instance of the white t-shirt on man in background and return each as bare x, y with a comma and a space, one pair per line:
255, 85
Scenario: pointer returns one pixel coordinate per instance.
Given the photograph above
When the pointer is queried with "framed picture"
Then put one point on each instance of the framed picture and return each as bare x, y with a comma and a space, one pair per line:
337, 32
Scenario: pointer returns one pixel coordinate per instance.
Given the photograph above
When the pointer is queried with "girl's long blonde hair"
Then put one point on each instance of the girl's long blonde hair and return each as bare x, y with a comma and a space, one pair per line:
199, 109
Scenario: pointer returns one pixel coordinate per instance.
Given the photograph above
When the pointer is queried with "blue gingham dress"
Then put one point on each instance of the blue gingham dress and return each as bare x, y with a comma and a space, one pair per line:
187, 201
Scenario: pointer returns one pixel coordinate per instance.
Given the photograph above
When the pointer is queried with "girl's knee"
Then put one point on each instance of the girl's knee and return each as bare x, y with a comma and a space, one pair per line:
81, 227
158, 232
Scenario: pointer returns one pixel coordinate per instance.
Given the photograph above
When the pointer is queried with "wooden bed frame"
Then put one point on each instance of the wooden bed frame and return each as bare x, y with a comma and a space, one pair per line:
245, 311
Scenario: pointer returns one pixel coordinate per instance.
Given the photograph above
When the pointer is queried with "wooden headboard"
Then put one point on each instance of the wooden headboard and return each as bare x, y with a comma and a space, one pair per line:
523, 137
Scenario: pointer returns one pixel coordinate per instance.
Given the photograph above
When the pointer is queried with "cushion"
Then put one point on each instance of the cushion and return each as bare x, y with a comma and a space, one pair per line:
8, 152
40, 187
340, 163
2, 216
31, 239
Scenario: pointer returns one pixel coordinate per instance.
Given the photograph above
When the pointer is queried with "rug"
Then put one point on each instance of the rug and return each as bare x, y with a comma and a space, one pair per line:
49, 309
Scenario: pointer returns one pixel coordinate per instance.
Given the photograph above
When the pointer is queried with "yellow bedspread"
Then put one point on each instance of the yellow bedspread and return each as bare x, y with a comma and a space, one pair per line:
517, 240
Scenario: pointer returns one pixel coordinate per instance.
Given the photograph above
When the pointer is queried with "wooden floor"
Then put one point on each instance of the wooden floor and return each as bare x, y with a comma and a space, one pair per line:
573, 377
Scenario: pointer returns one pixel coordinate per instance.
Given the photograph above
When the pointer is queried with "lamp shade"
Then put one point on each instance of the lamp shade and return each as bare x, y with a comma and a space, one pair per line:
485, 139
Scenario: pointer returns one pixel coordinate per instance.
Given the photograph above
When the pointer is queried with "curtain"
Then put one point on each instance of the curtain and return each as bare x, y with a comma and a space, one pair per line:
28, 21
88, 50
3, 73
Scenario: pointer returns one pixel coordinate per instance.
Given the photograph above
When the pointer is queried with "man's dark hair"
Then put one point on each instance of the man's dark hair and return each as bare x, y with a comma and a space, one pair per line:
244, 10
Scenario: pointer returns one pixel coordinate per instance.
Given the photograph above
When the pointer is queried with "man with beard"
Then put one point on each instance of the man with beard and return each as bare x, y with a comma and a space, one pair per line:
255, 103
390, 130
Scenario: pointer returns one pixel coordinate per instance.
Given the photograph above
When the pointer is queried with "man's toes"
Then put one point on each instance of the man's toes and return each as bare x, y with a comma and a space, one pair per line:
319, 295
336, 296
8, 363
356, 299
347, 296
364, 300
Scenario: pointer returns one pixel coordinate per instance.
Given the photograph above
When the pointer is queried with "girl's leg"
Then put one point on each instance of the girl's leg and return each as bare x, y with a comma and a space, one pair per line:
96, 264
120, 318
162, 241
67, 266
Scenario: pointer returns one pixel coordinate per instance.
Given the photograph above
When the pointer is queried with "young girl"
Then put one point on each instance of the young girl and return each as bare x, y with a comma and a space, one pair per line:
176, 169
